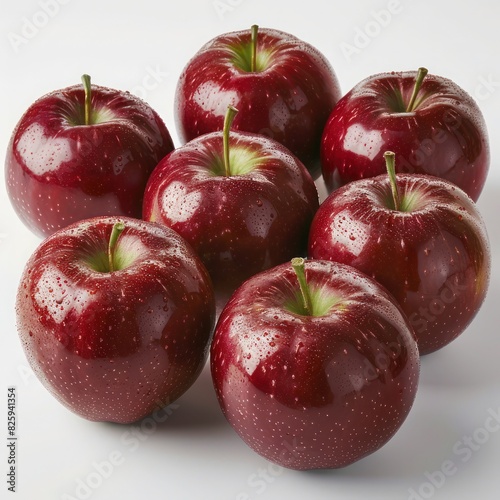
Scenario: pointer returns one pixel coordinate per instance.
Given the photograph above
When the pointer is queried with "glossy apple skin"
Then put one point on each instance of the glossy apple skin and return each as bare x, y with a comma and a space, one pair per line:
239, 225
311, 392
59, 171
435, 260
444, 136
115, 346
289, 101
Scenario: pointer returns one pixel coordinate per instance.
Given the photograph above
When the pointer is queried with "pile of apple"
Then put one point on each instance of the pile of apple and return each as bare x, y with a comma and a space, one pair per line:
315, 362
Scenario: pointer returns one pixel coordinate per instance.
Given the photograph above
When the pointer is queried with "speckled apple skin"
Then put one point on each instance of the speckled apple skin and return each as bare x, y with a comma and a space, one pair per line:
239, 225
445, 136
115, 346
289, 101
58, 172
434, 260
314, 392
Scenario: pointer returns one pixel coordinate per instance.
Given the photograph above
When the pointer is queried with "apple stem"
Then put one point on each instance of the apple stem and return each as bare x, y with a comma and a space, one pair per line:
298, 264
228, 120
253, 61
88, 94
422, 72
113, 239
390, 163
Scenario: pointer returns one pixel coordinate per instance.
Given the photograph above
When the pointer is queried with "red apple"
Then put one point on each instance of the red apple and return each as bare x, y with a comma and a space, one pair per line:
315, 368
283, 87
80, 152
423, 239
242, 200
432, 125
115, 326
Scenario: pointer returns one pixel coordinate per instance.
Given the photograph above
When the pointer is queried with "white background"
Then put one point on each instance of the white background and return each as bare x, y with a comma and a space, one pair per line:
194, 454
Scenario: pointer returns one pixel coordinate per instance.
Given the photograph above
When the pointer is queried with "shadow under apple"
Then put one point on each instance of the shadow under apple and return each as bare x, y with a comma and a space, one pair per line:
196, 409
470, 362
451, 379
